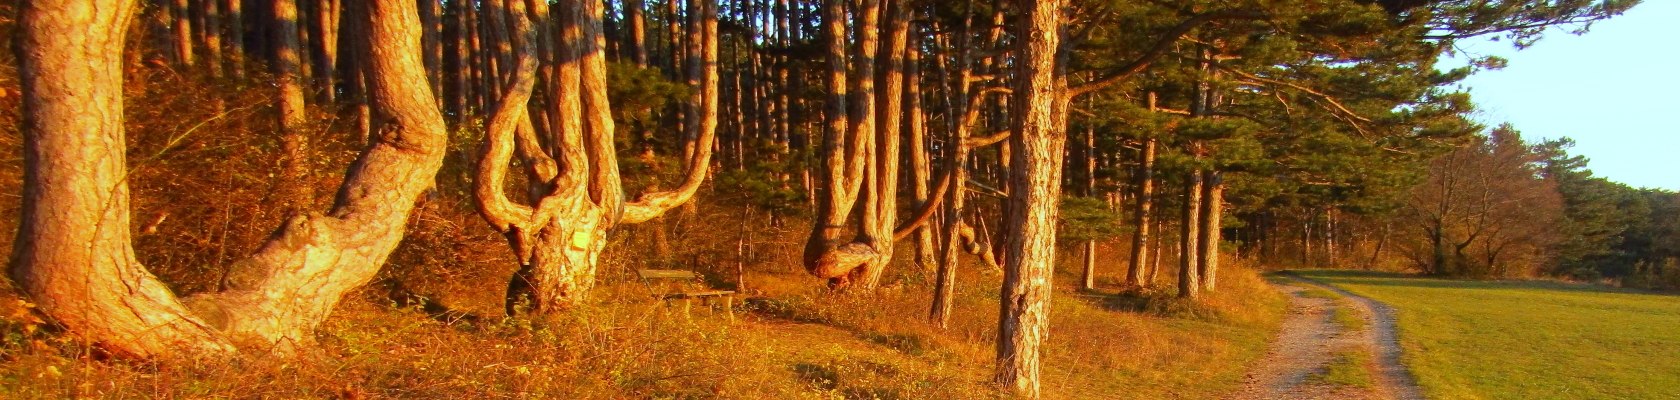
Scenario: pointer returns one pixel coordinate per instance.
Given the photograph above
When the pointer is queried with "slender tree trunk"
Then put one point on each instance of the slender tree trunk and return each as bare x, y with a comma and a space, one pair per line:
1155, 253
182, 10
323, 46
956, 209
1189, 226
1143, 213
233, 11
431, 42
456, 76
212, 36
296, 189
920, 149
1088, 274
1212, 210
636, 32
1035, 190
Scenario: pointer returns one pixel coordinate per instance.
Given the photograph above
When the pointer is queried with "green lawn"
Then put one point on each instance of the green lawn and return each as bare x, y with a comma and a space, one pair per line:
1528, 340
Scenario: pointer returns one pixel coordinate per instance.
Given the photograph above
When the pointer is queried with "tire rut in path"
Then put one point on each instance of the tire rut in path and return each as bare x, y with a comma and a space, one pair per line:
1310, 339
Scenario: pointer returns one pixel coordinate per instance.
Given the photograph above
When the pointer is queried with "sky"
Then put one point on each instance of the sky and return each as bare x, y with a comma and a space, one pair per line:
1614, 90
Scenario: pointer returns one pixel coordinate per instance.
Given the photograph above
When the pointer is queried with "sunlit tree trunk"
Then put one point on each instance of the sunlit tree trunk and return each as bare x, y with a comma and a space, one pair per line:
212, 36
920, 149
74, 255
1088, 274
182, 12
559, 237
1189, 226
296, 192
1212, 210
1143, 213
1035, 192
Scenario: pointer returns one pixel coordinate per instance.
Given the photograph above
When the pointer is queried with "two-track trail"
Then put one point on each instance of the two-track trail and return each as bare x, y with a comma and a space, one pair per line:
1299, 361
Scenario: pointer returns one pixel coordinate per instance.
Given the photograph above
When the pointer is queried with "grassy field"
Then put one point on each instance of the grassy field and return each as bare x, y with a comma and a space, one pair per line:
1528, 340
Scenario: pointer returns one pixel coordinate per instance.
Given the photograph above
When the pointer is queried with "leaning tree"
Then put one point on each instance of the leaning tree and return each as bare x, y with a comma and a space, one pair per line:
73, 254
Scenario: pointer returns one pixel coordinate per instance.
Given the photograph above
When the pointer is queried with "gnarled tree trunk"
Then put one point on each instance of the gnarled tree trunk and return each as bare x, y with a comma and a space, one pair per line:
74, 255
560, 234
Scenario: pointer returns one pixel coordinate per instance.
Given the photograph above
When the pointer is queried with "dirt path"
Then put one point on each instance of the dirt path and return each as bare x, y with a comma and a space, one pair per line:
1310, 340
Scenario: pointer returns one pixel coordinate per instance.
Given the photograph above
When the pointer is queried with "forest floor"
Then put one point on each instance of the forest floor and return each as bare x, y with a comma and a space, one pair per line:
1332, 345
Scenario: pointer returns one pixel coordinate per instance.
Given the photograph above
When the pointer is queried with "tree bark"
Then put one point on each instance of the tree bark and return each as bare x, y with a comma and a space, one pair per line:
1135, 274
212, 36
74, 255
921, 169
559, 238
234, 13
956, 163
296, 191
1188, 245
637, 32
1035, 191
1212, 210
431, 42
1088, 274
183, 31
323, 46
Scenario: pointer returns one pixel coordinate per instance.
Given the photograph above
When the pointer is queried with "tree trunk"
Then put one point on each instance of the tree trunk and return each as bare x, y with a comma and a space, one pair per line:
636, 32
431, 42
921, 163
296, 189
74, 255
956, 163
559, 239
1189, 227
890, 115
323, 46
845, 140
1035, 190
182, 10
212, 36
1088, 274
233, 12
1212, 210
1143, 213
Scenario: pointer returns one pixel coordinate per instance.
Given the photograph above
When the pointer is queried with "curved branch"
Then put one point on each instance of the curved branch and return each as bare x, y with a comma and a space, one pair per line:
988, 140
493, 204
651, 205
925, 214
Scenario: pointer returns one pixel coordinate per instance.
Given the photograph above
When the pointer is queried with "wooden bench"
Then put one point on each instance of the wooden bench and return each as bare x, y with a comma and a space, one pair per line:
692, 287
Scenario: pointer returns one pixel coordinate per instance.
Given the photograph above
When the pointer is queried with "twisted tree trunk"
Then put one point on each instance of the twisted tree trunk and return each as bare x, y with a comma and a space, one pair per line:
558, 237
74, 255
